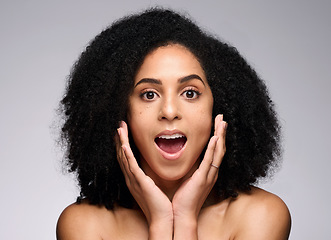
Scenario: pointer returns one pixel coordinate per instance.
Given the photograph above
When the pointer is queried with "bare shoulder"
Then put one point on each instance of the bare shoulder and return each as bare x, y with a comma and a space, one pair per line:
82, 221
261, 215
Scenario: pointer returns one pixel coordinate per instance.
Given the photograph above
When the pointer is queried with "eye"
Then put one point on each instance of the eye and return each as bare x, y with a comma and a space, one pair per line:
148, 95
191, 94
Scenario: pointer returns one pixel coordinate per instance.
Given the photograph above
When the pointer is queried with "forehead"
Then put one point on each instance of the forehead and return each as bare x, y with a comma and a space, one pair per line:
169, 61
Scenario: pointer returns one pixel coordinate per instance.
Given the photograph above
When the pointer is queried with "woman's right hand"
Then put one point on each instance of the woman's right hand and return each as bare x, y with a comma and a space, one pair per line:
152, 201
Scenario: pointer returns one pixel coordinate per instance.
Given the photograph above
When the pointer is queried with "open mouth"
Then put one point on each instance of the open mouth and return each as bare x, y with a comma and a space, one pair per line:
171, 143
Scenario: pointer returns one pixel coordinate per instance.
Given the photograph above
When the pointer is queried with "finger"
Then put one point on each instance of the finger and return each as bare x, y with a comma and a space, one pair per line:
208, 158
120, 154
131, 162
125, 159
218, 119
220, 131
220, 146
219, 151
127, 152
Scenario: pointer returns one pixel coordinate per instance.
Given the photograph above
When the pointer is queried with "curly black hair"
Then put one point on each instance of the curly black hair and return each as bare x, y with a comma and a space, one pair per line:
96, 100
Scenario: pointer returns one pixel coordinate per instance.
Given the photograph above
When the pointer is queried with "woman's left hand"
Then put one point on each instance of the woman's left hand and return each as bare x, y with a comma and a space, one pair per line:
191, 195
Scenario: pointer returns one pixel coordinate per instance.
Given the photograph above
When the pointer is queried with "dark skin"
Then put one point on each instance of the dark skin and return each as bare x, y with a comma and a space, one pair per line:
180, 203
254, 215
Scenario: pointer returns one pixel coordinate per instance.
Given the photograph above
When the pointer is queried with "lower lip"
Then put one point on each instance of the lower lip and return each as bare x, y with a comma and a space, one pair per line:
171, 156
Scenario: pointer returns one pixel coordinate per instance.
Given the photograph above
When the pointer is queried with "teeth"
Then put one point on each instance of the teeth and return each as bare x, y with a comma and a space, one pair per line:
173, 136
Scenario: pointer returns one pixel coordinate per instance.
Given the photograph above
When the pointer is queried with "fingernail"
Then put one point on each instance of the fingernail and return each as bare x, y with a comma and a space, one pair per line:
219, 117
119, 132
225, 125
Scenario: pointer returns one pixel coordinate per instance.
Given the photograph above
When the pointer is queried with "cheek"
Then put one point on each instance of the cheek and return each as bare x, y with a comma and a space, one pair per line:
136, 131
204, 121
139, 121
203, 115
138, 117
204, 126
200, 122
135, 123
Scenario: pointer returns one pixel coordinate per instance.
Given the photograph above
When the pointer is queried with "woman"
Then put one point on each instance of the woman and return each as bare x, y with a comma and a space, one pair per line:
145, 128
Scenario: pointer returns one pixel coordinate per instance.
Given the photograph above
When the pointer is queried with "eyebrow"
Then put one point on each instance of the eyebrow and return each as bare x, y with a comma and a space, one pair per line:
149, 80
190, 77
181, 80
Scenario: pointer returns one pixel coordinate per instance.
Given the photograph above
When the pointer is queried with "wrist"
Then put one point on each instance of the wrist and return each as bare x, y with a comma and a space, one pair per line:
161, 230
186, 228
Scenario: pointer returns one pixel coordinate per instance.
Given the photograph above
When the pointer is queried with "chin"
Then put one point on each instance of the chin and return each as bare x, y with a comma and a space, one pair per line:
176, 173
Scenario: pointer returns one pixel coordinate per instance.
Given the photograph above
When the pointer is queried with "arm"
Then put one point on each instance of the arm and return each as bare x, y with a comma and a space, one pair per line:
178, 218
153, 202
190, 197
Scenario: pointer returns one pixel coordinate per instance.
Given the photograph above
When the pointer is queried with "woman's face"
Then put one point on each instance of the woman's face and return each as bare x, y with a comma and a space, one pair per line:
170, 112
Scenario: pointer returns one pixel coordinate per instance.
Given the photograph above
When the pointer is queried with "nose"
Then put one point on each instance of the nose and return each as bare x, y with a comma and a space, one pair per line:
170, 109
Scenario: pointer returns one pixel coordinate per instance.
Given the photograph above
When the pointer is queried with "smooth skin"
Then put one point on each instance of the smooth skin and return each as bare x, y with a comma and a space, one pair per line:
175, 196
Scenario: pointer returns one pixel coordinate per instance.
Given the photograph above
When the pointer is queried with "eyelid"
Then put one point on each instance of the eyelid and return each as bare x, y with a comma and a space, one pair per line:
193, 89
146, 90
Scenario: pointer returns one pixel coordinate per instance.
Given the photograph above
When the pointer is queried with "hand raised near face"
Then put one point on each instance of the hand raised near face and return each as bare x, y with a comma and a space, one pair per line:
153, 202
191, 195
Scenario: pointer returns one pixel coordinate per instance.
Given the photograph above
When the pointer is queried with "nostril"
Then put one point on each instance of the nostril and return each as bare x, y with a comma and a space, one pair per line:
176, 117
169, 111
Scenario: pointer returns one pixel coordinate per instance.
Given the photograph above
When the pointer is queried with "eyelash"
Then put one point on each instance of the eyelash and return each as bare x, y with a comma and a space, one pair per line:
196, 93
143, 95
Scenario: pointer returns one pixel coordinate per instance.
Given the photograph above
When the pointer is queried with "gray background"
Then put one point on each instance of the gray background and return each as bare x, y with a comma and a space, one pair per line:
288, 43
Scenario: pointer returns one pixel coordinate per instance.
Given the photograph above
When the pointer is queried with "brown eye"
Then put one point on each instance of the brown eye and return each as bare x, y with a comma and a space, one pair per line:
191, 94
149, 95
